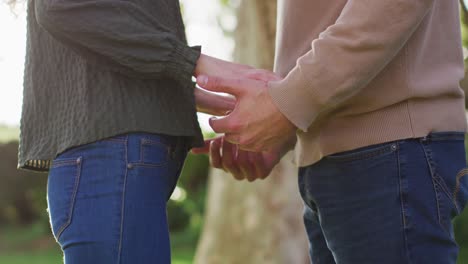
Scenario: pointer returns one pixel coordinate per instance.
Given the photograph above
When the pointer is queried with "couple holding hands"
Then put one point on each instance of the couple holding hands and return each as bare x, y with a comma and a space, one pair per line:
366, 93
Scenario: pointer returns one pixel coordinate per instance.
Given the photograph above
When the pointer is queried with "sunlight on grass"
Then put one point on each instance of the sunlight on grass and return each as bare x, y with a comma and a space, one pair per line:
34, 245
53, 256
463, 256
37, 257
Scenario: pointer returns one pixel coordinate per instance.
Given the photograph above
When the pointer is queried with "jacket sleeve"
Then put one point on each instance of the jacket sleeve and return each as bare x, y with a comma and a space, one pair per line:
345, 57
118, 35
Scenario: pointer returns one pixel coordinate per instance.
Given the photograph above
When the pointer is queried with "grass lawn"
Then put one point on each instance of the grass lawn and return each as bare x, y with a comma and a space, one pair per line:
49, 256
34, 245
463, 256
52, 256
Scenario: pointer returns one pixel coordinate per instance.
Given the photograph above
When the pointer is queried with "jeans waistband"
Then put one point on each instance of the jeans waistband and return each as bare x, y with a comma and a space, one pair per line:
440, 136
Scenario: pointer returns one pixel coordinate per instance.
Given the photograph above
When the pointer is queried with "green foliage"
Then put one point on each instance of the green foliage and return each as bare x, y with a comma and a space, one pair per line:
22, 193
464, 26
186, 215
225, 2
461, 235
183, 246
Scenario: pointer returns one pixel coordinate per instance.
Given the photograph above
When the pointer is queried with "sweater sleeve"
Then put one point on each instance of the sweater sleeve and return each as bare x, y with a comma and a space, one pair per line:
119, 35
345, 57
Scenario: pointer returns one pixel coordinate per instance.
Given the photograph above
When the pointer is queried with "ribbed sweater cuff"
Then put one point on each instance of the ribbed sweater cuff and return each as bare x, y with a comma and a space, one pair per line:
293, 100
183, 61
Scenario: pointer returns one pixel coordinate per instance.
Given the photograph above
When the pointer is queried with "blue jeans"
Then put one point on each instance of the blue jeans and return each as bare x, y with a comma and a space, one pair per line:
388, 203
107, 200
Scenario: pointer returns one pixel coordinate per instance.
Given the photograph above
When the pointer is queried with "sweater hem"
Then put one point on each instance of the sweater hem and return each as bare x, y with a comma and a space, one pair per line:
389, 124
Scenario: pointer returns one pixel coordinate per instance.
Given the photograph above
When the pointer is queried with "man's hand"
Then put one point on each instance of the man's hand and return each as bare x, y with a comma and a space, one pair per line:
240, 163
255, 124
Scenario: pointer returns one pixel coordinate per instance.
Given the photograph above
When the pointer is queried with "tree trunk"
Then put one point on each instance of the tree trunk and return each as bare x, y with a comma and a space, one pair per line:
464, 12
258, 222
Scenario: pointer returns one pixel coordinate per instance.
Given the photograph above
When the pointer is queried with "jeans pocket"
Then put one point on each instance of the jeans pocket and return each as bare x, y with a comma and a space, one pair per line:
447, 165
154, 152
62, 187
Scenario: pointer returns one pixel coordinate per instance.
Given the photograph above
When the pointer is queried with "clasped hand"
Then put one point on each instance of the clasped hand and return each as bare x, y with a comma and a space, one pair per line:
255, 133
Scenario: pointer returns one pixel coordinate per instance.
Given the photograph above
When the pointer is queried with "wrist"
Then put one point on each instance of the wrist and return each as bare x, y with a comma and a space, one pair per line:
202, 65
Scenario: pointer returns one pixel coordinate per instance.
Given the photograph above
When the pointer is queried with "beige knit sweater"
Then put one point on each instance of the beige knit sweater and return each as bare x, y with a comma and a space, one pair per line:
362, 72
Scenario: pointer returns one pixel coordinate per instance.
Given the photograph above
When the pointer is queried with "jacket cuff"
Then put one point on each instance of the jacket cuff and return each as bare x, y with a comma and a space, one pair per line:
293, 100
182, 62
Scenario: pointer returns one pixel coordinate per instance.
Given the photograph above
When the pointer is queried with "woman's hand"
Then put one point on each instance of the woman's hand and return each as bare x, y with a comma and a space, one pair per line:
209, 66
214, 104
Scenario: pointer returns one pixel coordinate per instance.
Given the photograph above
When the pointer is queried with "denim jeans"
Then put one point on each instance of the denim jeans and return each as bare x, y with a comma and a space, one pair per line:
390, 203
107, 200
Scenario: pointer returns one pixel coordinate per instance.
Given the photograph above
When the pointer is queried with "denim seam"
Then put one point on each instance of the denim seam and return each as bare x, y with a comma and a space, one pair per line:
436, 185
459, 176
113, 139
148, 141
445, 138
122, 209
403, 202
431, 171
73, 198
148, 165
61, 163
387, 149
440, 182
145, 141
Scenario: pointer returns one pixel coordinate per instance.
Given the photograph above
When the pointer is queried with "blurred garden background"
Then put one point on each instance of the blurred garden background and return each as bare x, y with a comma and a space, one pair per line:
213, 219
